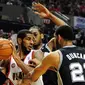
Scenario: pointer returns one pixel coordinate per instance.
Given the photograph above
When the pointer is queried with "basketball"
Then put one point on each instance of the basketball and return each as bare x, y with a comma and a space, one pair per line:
5, 49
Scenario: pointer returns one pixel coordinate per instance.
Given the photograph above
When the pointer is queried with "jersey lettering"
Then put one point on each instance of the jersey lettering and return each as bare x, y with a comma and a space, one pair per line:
17, 76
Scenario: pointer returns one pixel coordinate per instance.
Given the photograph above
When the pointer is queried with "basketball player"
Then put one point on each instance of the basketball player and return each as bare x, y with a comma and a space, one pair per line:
14, 73
55, 19
51, 45
39, 36
39, 45
69, 60
25, 44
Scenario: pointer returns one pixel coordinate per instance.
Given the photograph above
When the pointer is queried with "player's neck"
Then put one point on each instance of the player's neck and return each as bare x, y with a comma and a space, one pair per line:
21, 55
67, 43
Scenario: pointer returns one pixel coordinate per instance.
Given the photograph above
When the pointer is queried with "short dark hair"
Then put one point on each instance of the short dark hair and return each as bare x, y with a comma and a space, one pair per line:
40, 28
65, 32
22, 33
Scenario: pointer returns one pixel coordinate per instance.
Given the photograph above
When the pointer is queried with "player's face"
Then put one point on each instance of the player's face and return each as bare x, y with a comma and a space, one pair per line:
27, 43
37, 36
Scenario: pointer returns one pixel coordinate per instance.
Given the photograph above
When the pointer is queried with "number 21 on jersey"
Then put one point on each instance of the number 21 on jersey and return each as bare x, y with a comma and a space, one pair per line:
77, 72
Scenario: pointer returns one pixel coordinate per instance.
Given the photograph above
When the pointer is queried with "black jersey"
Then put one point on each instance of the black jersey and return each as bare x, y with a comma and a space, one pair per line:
45, 48
72, 67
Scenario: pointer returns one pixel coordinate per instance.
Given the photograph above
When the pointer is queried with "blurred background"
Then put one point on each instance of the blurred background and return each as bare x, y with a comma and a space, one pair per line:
17, 14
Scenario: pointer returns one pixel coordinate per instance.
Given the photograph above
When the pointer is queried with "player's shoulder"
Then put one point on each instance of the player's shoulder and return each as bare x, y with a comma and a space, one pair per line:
54, 55
54, 58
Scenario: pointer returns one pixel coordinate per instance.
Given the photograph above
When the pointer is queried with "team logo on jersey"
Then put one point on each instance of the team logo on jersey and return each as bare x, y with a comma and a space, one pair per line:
13, 65
28, 58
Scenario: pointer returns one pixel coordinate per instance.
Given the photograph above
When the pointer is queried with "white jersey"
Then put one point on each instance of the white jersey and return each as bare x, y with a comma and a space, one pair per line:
28, 57
15, 73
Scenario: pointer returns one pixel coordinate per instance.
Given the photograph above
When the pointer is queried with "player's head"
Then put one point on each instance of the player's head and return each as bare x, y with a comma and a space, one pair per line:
25, 40
64, 34
38, 34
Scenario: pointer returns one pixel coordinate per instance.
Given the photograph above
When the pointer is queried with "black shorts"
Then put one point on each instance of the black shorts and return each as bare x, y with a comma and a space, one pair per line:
2, 78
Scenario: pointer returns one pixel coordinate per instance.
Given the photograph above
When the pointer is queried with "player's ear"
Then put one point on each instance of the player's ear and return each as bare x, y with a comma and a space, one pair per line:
59, 38
42, 36
19, 40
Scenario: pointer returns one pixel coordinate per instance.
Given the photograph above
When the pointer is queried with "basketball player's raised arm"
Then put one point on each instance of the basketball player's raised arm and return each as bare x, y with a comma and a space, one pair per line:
52, 60
45, 13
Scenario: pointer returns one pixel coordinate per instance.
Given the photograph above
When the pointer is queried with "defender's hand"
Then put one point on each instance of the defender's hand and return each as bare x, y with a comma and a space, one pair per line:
41, 10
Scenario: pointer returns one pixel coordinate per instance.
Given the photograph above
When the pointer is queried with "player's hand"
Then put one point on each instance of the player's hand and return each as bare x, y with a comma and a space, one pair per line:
14, 53
14, 50
41, 10
34, 62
